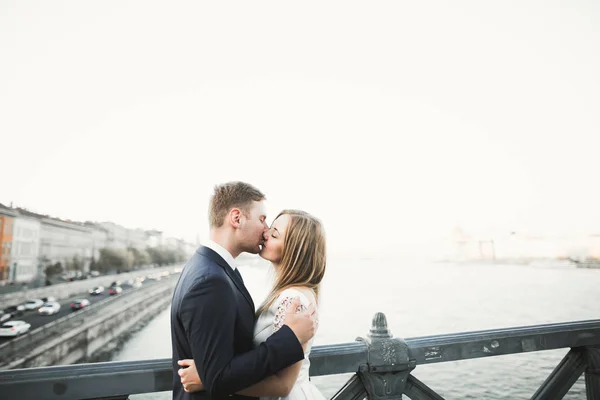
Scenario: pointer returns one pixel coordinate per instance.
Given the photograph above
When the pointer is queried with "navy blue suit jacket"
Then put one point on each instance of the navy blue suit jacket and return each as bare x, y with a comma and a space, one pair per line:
212, 321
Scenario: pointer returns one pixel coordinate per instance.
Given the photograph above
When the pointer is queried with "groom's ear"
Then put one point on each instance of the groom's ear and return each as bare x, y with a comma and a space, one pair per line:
235, 217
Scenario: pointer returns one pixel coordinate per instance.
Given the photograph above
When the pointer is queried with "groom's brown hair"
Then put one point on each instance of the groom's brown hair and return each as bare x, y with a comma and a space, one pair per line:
231, 195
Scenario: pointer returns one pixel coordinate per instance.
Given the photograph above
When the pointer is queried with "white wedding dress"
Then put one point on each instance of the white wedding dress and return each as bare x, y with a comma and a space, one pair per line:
268, 323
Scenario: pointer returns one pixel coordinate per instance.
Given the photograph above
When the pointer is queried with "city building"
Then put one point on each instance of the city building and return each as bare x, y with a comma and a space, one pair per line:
7, 216
24, 261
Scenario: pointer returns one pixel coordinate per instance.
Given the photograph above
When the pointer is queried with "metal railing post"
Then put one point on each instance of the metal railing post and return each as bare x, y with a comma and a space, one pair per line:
388, 362
592, 373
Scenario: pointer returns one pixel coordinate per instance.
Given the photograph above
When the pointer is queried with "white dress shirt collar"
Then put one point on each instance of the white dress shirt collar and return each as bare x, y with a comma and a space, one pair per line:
222, 251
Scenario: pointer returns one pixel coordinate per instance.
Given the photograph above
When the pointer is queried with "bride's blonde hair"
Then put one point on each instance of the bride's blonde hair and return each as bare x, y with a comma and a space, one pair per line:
303, 260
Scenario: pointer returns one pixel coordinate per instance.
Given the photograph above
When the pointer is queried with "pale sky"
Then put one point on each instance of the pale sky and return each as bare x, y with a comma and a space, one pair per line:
392, 121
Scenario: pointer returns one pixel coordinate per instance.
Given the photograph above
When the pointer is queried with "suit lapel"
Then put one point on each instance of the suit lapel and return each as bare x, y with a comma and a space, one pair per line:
205, 251
240, 285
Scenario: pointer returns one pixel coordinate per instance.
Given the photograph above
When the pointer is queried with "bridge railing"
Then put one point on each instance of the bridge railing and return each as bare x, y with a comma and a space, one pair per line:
382, 365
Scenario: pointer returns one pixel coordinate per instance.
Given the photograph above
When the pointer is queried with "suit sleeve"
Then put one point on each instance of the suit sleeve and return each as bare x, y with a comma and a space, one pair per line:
208, 312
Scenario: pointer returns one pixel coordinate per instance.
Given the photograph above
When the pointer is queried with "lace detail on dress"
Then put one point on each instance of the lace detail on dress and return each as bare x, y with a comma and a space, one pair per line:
279, 319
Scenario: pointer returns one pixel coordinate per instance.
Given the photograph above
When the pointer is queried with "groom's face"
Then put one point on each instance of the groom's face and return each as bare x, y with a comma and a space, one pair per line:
253, 226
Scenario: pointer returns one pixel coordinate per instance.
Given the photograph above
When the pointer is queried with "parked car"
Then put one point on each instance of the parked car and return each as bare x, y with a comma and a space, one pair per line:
79, 304
14, 328
15, 311
52, 307
33, 304
96, 291
4, 316
115, 290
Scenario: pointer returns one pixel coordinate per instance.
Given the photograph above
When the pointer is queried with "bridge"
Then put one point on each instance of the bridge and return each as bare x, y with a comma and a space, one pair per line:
381, 363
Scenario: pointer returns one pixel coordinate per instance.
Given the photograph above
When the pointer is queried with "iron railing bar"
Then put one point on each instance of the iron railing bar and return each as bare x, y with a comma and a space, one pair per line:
417, 390
59, 372
508, 332
352, 390
592, 373
143, 376
562, 378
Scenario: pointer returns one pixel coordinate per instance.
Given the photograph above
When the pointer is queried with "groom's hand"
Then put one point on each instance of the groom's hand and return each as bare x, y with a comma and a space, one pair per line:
304, 323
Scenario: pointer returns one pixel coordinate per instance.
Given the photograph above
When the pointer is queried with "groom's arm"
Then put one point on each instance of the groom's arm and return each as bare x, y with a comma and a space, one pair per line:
208, 312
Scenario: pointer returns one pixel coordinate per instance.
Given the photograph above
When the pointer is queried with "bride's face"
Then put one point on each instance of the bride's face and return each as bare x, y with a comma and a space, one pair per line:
273, 248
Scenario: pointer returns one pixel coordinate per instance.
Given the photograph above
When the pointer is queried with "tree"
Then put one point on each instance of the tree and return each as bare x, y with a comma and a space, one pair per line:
54, 269
156, 256
113, 260
76, 264
140, 257
163, 256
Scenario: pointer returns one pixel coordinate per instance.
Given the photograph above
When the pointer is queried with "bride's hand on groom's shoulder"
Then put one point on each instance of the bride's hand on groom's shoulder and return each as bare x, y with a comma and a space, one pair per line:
189, 376
304, 322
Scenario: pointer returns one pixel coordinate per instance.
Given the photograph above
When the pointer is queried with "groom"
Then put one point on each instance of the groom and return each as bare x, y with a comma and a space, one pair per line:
212, 313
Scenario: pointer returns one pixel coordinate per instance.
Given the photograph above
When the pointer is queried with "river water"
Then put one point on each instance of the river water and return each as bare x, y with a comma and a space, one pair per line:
425, 299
